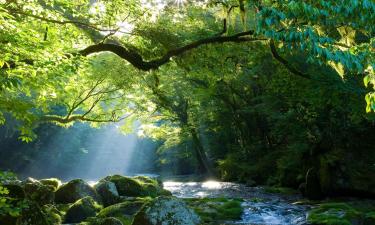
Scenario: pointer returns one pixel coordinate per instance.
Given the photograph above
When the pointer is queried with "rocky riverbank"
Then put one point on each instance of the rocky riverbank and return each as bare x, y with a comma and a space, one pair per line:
141, 200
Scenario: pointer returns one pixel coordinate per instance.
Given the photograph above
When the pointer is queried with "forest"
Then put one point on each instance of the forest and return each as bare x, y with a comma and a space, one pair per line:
183, 112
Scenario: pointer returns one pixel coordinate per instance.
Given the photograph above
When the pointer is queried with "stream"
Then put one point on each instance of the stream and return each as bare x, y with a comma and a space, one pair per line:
260, 208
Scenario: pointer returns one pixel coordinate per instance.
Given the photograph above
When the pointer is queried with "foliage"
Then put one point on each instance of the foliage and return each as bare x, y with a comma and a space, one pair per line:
9, 205
260, 90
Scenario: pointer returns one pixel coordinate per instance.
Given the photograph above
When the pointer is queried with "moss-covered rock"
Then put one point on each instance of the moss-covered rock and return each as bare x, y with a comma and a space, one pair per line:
137, 186
53, 182
38, 192
33, 214
82, 209
214, 210
342, 213
124, 211
102, 221
167, 211
108, 192
53, 215
75, 190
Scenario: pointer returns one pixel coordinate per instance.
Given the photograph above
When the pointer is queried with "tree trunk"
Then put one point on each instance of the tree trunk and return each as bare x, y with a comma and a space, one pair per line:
203, 165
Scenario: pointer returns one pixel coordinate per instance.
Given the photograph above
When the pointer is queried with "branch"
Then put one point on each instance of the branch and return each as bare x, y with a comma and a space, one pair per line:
58, 119
137, 61
63, 22
283, 61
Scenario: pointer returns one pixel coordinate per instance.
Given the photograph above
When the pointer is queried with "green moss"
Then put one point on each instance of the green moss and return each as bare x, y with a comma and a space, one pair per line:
216, 209
53, 182
137, 186
73, 191
104, 221
53, 215
280, 190
334, 214
124, 211
82, 209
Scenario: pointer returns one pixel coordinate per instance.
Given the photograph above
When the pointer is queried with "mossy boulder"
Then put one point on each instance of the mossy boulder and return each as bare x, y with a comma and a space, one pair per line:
124, 211
103, 221
75, 190
53, 215
33, 214
38, 192
82, 209
167, 211
137, 186
342, 213
214, 210
53, 182
108, 192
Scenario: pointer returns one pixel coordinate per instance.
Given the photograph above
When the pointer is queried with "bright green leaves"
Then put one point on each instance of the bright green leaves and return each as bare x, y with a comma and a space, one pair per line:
337, 34
9, 205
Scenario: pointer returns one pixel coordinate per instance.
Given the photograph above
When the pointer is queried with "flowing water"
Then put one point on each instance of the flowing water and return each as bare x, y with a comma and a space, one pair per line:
260, 208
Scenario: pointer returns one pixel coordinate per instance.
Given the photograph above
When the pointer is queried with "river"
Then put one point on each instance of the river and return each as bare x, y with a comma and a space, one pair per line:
260, 207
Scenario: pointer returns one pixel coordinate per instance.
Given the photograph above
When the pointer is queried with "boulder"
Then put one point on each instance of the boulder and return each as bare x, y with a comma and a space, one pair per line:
53, 182
53, 215
103, 221
75, 190
108, 192
38, 192
166, 211
124, 211
137, 186
33, 214
81, 210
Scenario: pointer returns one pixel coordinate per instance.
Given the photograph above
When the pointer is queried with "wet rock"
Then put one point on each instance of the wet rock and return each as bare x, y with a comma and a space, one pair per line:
53, 215
82, 209
108, 192
75, 190
166, 211
124, 211
53, 182
137, 186
38, 192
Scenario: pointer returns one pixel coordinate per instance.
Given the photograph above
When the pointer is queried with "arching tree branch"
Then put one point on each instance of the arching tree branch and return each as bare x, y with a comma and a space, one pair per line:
283, 61
137, 61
